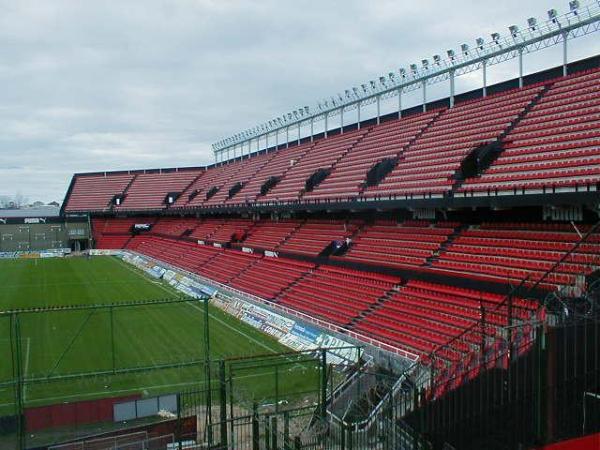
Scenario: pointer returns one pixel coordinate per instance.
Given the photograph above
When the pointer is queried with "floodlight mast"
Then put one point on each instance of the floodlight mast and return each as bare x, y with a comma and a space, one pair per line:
581, 20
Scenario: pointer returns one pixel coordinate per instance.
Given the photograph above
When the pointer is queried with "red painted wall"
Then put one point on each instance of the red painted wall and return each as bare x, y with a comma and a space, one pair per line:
591, 442
72, 414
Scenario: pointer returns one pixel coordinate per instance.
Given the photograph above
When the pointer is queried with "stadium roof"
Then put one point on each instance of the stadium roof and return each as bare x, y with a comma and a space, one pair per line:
40, 211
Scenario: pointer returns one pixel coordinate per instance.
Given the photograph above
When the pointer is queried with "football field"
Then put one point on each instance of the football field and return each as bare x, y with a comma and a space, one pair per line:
56, 347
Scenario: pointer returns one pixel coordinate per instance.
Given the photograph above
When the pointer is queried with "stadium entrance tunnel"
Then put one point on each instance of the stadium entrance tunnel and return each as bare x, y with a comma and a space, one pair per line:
316, 178
117, 199
268, 185
211, 192
237, 187
380, 170
479, 160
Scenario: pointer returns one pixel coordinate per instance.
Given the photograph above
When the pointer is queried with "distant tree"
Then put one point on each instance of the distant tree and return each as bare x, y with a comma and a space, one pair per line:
54, 204
19, 200
37, 204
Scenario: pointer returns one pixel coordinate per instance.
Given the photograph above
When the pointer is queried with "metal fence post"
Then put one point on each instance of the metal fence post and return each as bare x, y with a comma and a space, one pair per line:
178, 427
274, 432
208, 373
223, 403
286, 430
323, 384
255, 428
267, 433
15, 339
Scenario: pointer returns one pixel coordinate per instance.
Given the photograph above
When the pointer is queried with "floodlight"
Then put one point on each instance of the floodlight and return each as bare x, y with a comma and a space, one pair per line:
373, 85
289, 116
479, 41
364, 88
532, 22
450, 54
464, 48
514, 30
307, 110
574, 6
413, 68
552, 15
355, 90
347, 93
382, 81
392, 76
437, 59
402, 72
495, 37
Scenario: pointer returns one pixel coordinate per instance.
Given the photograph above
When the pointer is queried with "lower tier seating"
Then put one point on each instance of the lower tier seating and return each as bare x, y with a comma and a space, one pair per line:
516, 252
336, 294
389, 243
457, 331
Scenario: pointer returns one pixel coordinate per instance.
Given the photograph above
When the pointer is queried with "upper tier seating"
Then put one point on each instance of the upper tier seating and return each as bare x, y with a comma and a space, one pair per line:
387, 140
241, 172
323, 155
195, 194
556, 145
311, 238
513, 252
149, 190
95, 192
337, 294
428, 166
553, 147
389, 243
282, 162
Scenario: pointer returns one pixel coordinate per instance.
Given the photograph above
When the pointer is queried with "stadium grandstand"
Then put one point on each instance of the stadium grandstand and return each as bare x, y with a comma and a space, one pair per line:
456, 243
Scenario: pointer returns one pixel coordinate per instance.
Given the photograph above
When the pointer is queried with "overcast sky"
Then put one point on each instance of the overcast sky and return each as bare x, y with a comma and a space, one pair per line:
106, 85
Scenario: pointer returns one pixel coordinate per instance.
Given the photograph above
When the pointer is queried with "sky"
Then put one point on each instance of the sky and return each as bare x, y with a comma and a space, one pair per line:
88, 85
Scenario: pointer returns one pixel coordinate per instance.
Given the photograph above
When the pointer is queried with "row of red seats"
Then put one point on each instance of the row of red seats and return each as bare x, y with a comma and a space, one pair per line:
556, 143
95, 192
149, 190
389, 243
514, 254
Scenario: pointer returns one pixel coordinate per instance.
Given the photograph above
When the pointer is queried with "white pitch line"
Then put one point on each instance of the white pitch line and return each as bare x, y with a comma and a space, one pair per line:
262, 344
136, 389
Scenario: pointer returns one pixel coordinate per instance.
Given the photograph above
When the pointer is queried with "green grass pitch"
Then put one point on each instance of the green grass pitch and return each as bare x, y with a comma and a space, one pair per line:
71, 342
